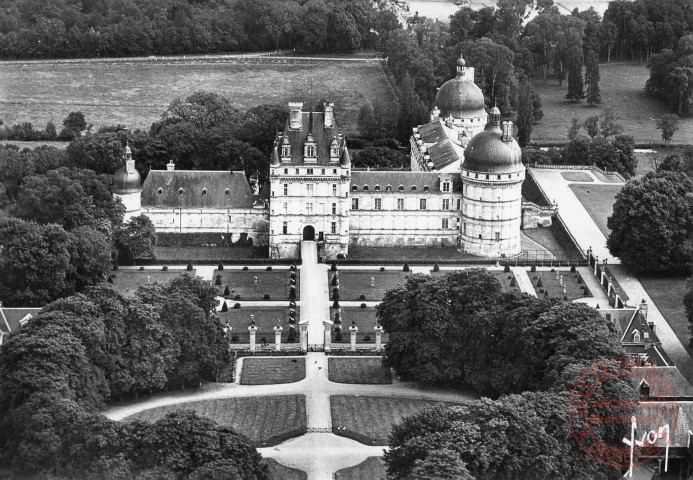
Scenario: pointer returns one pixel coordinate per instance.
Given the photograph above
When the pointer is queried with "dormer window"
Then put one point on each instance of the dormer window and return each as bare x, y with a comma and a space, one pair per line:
310, 150
227, 192
286, 149
204, 192
446, 186
180, 191
334, 150
426, 188
354, 188
160, 191
388, 188
376, 188
413, 188
636, 336
365, 188
401, 188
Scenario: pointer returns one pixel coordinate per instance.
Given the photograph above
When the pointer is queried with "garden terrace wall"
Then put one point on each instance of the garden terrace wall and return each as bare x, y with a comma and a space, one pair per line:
201, 239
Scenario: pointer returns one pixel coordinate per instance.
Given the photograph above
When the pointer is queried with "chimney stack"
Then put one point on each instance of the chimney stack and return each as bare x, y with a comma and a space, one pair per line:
642, 308
507, 128
329, 115
170, 166
295, 115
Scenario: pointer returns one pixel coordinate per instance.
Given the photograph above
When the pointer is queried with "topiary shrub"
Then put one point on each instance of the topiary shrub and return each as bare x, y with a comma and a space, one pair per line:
263, 340
513, 282
291, 338
337, 334
266, 296
115, 266
218, 280
245, 269
236, 305
546, 294
141, 269
340, 256
367, 338
220, 267
541, 290
227, 292
572, 268
506, 269
405, 268
292, 275
237, 296
436, 267
164, 268
335, 280
362, 297
234, 337
224, 307
533, 269
292, 294
269, 269
363, 305
382, 269
110, 278
189, 267
553, 270
335, 304
292, 267
540, 283
565, 297
335, 294
579, 279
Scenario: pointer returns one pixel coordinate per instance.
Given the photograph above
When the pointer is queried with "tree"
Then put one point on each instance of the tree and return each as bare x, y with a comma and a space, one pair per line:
594, 96
75, 123
688, 304
591, 125
525, 112
608, 125
136, 240
575, 82
574, 128
380, 157
651, 221
669, 125
442, 464
90, 256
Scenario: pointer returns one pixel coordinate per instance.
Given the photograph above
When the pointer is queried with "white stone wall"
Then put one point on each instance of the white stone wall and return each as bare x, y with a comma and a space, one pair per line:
132, 203
234, 221
492, 213
391, 226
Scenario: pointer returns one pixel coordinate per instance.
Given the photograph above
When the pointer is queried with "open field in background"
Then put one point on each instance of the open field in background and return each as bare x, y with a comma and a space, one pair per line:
598, 200
369, 420
372, 468
623, 88
269, 371
265, 420
667, 293
282, 472
136, 94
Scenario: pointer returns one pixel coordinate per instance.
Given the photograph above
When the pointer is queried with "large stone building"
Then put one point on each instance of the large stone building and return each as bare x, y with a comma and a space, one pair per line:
463, 190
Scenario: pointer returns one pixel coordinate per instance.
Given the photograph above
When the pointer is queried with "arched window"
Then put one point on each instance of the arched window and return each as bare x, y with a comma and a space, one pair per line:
227, 192
401, 188
376, 188
365, 188
388, 188
204, 192
354, 188
160, 191
413, 188
180, 191
426, 188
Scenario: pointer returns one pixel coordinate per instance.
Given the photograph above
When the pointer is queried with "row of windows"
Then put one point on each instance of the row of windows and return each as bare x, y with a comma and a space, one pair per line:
377, 204
285, 228
181, 191
309, 171
310, 189
488, 177
388, 188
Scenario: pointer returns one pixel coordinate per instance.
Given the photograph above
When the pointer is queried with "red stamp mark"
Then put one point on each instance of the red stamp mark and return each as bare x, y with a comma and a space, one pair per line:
596, 412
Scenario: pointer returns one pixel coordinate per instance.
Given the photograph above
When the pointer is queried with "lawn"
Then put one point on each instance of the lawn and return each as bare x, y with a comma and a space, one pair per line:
547, 239
282, 472
366, 285
209, 254
622, 87
136, 94
551, 285
365, 319
598, 200
265, 321
127, 281
369, 420
577, 176
372, 468
256, 284
266, 420
667, 293
270, 371
358, 370
404, 254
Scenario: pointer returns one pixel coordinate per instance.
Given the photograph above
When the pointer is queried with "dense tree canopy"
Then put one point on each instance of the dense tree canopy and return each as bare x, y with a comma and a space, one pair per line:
652, 222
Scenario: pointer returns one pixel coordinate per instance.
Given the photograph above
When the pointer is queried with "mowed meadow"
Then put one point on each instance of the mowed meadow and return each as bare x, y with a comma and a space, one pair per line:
135, 94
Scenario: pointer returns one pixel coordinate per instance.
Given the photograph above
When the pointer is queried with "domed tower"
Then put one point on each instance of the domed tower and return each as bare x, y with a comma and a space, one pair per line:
460, 102
492, 175
127, 185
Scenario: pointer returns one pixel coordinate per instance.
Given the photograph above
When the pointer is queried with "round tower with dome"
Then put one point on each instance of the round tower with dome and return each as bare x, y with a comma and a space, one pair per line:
491, 175
127, 186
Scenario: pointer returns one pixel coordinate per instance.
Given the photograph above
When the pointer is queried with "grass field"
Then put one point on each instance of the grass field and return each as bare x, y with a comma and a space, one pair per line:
358, 370
598, 200
369, 420
549, 283
282, 472
365, 319
269, 371
127, 281
265, 321
372, 284
136, 94
255, 284
622, 87
667, 293
265, 420
372, 468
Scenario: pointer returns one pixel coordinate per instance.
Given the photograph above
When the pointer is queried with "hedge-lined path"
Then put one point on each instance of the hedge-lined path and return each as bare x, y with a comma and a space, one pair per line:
314, 294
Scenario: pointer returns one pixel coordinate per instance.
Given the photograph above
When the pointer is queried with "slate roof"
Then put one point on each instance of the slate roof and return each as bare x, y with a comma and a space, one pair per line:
432, 132
638, 322
193, 183
312, 123
443, 154
397, 178
671, 413
678, 382
438, 144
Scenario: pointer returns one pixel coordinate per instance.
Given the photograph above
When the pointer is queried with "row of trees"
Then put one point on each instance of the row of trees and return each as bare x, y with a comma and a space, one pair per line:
82, 351
137, 28
525, 353
73, 126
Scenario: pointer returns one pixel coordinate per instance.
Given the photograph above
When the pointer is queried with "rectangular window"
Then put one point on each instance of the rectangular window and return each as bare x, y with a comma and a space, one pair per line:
497, 236
422, 204
310, 150
446, 204
400, 204
286, 171
334, 209
464, 228
285, 228
334, 190
286, 189
297, 171
333, 228
445, 223
334, 171
323, 171
459, 204
309, 208
378, 204
446, 186
354, 203
309, 171
309, 188
286, 208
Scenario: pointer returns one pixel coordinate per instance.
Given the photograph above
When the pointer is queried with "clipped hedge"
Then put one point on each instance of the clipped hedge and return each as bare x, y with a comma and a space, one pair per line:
201, 239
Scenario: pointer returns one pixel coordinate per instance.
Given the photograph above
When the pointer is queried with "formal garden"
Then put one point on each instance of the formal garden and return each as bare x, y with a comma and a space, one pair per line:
269, 371
372, 468
127, 281
268, 283
266, 420
264, 318
564, 284
506, 278
362, 317
365, 285
368, 371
